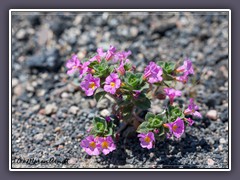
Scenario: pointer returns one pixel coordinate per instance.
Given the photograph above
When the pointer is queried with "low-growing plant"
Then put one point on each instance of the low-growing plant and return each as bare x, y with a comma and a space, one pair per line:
111, 73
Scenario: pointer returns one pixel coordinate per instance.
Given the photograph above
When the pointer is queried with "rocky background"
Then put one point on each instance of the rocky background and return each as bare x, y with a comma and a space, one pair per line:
50, 115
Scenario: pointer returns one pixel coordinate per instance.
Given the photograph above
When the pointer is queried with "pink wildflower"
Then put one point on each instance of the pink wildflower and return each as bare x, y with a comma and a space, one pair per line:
176, 128
186, 67
100, 55
153, 73
147, 140
90, 145
192, 109
90, 84
110, 53
172, 93
112, 83
106, 144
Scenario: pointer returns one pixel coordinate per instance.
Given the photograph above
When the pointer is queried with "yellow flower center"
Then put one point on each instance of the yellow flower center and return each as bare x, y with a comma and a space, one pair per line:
147, 139
193, 110
92, 144
174, 127
91, 85
112, 84
104, 144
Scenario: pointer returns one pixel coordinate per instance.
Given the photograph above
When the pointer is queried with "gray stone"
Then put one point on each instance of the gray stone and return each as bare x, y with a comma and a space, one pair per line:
73, 109
51, 108
38, 137
21, 34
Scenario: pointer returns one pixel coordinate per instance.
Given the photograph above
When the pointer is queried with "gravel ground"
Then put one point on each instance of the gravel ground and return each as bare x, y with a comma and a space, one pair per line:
50, 115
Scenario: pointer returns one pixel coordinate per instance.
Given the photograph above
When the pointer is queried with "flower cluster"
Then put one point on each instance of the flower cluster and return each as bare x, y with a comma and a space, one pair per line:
95, 145
110, 73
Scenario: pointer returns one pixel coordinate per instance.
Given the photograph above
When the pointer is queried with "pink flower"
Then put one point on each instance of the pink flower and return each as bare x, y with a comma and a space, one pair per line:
106, 144
172, 93
190, 121
153, 73
147, 140
119, 56
121, 68
186, 67
73, 65
192, 109
176, 128
83, 69
110, 53
90, 84
100, 55
183, 78
90, 145
112, 83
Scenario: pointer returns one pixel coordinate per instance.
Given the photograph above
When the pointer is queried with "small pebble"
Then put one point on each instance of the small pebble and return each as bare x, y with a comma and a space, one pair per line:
57, 129
72, 161
38, 137
74, 109
222, 141
104, 113
21, 34
210, 162
64, 95
51, 108
212, 114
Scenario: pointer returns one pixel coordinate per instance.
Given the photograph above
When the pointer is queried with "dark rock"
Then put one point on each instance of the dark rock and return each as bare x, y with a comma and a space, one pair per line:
213, 100
58, 27
163, 28
45, 60
34, 20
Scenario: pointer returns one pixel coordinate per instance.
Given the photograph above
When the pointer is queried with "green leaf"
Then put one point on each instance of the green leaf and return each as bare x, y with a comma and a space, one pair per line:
155, 122
99, 125
109, 132
99, 95
143, 127
149, 115
101, 70
127, 66
175, 112
168, 67
133, 81
161, 63
92, 64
